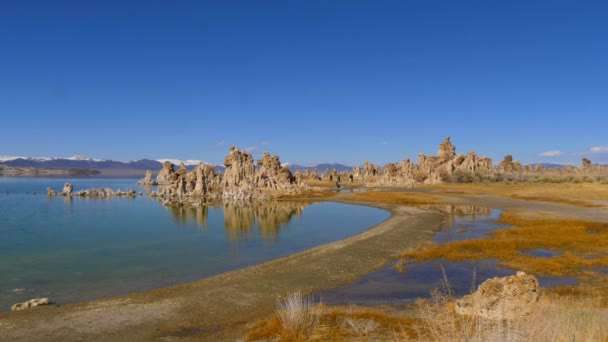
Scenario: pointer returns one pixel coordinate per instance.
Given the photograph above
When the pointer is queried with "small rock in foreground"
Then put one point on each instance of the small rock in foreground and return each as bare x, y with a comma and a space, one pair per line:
30, 303
500, 298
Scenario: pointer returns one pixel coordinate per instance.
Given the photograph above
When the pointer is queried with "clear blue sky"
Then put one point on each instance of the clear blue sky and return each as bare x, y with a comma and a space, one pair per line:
312, 81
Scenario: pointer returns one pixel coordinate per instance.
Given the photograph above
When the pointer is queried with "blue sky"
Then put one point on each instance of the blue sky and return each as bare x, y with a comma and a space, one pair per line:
311, 81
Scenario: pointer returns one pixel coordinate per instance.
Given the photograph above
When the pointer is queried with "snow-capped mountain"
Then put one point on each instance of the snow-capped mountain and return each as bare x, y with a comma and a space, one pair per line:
83, 158
77, 157
9, 158
187, 162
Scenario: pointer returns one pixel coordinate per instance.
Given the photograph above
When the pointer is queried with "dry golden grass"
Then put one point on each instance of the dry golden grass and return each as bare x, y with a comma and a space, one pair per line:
566, 193
573, 316
334, 324
554, 318
401, 198
581, 244
578, 203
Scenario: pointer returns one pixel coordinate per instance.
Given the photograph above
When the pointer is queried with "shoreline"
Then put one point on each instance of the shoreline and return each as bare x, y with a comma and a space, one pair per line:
218, 307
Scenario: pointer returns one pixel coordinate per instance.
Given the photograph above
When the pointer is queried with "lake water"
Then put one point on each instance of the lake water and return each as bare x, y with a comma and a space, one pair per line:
78, 249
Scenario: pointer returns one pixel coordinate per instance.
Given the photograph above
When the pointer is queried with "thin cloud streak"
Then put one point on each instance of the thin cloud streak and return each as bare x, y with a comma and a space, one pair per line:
598, 149
551, 154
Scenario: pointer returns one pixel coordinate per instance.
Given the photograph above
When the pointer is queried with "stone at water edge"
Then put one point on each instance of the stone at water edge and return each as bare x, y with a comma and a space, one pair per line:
68, 188
501, 298
30, 303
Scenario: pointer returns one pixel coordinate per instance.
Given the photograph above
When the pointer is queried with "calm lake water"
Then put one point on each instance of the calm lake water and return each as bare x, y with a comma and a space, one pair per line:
78, 249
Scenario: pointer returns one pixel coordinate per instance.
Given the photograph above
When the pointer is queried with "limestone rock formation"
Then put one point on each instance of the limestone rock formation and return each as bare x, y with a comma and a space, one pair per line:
92, 193
446, 150
105, 193
370, 171
501, 298
239, 177
30, 303
446, 166
586, 163
67, 189
509, 165
272, 175
166, 174
240, 181
147, 180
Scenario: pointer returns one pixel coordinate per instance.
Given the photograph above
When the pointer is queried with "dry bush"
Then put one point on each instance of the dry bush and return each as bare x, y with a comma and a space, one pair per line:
359, 326
295, 313
294, 320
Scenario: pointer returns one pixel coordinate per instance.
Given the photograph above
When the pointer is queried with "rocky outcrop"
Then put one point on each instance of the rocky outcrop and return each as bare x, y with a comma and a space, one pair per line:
240, 181
243, 181
67, 189
30, 304
586, 163
271, 175
166, 174
501, 298
446, 151
93, 193
509, 165
147, 180
105, 193
239, 177
446, 166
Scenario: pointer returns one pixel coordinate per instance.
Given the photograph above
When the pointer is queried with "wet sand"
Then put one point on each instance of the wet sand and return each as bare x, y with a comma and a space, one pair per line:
218, 308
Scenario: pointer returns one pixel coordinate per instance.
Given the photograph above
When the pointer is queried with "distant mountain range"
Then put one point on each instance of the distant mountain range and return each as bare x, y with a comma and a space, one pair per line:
549, 165
137, 168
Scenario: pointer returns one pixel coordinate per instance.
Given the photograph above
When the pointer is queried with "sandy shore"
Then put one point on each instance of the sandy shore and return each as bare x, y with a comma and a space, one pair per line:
220, 307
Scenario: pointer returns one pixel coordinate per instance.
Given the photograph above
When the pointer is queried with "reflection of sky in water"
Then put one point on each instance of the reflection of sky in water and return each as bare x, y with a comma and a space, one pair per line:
79, 249
418, 279
540, 253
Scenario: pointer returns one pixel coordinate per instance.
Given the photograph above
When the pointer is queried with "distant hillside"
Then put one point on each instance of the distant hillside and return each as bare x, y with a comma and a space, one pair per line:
14, 171
549, 165
112, 168
108, 168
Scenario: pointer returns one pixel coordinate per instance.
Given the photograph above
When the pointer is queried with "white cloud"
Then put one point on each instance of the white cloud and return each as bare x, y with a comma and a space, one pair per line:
250, 149
265, 143
385, 142
598, 149
551, 154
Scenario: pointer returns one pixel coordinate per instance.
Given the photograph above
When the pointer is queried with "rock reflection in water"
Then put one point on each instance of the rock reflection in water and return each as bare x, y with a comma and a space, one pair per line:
240, 217
454, 211
184, 214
